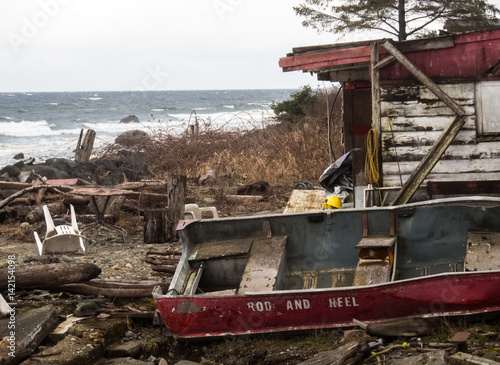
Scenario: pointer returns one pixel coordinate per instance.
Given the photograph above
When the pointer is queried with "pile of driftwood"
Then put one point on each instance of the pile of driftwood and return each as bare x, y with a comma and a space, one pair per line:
163, 261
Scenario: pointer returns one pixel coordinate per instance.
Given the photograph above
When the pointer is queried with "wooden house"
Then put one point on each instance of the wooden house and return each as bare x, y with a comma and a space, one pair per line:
430, 106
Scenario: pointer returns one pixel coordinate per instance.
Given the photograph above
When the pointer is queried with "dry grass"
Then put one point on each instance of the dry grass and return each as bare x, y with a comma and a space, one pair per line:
281, 153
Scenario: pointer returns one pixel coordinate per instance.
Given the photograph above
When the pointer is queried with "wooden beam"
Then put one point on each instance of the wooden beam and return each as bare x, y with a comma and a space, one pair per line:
424, 79
384, 62
429, 161
375, 81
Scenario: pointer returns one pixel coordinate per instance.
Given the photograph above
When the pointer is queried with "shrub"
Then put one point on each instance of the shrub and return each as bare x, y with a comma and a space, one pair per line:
293, 109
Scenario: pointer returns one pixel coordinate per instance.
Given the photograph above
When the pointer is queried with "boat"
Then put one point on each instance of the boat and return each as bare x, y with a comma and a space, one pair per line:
334, 268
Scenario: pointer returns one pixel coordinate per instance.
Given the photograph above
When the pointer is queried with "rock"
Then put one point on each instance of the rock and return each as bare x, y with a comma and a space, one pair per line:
18, 156
11, 170
125, 349
88, 308
162, 361
132, 138
186, 362
130, 119
31, 328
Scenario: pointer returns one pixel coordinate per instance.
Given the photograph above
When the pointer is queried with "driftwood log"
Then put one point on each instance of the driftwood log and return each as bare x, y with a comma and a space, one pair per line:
60, 189
50, 275
114, 289
350, 354
36, 215
163, 261
397, 327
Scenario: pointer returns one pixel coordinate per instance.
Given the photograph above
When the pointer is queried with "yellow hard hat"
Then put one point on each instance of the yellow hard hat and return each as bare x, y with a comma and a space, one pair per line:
333, 202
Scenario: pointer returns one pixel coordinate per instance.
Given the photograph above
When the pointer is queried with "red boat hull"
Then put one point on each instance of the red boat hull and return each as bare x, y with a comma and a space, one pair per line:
438, 295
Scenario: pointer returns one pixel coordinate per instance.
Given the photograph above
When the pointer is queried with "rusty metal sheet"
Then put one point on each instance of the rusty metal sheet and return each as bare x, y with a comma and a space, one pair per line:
483, 251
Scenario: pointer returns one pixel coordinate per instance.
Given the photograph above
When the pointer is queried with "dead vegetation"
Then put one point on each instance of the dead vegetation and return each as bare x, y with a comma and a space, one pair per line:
281, 153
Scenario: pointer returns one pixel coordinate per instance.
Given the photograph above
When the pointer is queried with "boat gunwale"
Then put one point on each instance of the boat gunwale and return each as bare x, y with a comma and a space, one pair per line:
333, 289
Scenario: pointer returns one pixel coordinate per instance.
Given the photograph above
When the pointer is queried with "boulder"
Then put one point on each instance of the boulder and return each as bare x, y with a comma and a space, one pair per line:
19, 156
132, 138
130, 119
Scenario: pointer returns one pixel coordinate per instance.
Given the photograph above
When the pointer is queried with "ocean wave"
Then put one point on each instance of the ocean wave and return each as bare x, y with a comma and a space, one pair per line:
5, 118
52, 103
228, 106
157, 110
32, 129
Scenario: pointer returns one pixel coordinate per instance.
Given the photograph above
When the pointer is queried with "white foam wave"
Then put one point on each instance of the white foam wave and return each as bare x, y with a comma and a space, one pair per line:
229, 106
157, 110
247, 119
95, 99
53, 103
33, 129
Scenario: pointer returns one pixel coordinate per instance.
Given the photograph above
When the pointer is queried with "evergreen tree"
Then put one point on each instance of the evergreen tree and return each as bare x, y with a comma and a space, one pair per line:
400, 18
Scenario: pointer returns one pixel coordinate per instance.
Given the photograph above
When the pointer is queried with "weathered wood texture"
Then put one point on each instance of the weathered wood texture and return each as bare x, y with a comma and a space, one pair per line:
41, 276
350, 354
412, 120
176, 191
160, 224
84, 148
403, 327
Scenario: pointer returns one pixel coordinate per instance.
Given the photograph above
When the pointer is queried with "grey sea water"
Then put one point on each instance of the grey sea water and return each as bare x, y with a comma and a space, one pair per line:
46, 125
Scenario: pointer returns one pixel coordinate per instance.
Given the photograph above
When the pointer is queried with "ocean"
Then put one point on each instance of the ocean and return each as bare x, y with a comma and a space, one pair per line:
47, 124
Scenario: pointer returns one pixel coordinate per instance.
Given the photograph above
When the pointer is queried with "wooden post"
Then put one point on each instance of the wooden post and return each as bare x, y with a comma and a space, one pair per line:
84, 148
176, 190
160, 224
155, 226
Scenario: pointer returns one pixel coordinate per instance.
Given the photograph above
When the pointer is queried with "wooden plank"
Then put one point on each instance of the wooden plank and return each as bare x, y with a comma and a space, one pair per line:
410, 124
421, 109
477, 165
377, 241
463, 187
428, 163
305, 200
426, 138
215, 249
394, 179
454, 152
463, 93
424, 79
263, 266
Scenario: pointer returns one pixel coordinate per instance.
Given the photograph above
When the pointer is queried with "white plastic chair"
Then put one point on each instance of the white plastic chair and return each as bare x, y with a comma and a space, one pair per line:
60, 239
193, 211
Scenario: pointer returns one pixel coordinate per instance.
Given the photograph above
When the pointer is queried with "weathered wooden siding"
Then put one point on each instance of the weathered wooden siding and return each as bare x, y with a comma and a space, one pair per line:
412, 120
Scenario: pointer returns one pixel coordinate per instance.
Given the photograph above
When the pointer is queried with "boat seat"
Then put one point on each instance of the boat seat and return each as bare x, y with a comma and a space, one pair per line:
376, 256
262, 271
193, 211
62, 238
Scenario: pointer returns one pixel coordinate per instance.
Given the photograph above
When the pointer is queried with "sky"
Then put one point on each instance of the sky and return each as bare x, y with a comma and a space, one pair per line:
107, 45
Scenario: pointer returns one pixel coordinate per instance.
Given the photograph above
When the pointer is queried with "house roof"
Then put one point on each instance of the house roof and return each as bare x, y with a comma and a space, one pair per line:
464, 56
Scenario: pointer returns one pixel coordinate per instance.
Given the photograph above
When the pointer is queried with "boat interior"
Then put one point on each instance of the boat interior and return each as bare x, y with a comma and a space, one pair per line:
340, 248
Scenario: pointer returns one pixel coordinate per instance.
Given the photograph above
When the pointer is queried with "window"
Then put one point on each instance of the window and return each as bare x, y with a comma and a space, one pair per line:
488, 109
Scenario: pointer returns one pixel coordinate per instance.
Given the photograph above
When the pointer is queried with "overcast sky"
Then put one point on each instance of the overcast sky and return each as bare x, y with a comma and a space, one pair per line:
98, 45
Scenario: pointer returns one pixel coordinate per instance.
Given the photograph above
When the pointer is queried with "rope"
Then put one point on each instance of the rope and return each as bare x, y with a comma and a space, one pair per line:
372, 171
405, 345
